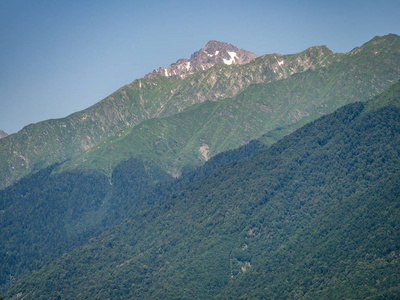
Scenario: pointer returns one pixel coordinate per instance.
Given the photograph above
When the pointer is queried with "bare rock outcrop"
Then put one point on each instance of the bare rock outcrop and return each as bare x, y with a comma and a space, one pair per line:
213, 53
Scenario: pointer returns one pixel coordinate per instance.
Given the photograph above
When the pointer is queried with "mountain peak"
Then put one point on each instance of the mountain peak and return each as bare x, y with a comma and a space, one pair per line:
213, 43
216, 44
213, 53
2, 134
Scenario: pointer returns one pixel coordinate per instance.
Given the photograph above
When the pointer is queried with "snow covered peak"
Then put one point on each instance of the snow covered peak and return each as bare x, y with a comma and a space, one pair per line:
213, 53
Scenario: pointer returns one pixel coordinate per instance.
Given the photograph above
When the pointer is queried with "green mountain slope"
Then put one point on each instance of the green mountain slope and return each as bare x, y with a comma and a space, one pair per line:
272, 109
43, 216
314, 216
42, 144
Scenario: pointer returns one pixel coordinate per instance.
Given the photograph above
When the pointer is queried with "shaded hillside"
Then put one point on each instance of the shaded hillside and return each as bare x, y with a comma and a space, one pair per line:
43, 216
352, 251
316, 215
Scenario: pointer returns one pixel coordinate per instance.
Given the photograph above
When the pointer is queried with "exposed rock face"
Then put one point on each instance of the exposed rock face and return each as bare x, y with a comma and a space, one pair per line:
2, 134
213, 53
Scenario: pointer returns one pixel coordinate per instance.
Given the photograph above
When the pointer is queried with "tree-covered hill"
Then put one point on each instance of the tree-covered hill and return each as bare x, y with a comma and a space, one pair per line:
43, 216
314, 216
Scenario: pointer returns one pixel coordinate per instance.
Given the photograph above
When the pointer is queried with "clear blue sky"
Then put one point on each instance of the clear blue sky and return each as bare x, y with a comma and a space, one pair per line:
58, 57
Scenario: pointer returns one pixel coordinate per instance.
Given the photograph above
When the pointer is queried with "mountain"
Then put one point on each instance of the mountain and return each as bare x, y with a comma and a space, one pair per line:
313, 216
273, 109
213, 53
40, 145
2, 134
361, 74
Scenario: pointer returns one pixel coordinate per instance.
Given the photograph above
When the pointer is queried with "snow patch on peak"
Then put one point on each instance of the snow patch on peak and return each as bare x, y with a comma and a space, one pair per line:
233, 55
214, 53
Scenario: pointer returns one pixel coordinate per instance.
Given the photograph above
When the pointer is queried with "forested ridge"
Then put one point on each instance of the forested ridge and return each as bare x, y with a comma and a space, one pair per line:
274, 108
315, 216
47, 214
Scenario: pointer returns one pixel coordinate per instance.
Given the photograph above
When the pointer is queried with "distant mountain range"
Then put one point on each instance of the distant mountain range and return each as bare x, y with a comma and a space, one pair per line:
273, 109
270, 95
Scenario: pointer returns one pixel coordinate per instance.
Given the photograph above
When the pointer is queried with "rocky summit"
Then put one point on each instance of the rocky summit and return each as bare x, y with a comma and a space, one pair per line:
212, 54
2, 134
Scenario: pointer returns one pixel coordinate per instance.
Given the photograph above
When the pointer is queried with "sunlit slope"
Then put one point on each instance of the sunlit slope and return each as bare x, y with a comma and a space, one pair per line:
42, 144
271, 109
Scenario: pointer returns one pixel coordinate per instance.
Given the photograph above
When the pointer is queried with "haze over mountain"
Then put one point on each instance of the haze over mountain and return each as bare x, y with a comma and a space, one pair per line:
341, 78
